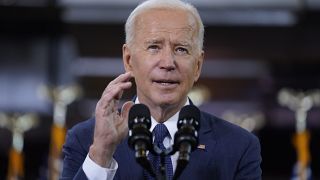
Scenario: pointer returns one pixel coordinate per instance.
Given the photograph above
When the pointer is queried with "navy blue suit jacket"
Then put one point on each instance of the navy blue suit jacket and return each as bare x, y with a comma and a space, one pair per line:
230, 153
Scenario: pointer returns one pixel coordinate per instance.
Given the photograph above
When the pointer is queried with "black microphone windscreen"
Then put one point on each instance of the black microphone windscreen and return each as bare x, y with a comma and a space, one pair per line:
139, 111
190, 112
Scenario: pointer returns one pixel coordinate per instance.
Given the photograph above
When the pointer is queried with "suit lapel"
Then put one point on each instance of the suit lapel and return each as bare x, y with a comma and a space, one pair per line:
201, 159
207, 138
207, 141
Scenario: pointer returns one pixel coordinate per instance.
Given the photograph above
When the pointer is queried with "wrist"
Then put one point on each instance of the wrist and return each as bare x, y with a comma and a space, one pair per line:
101, 156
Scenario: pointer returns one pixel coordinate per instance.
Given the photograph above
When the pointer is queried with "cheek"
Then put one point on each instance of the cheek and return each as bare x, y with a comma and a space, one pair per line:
136, 66
140, 69
190, 77
190, 69
196, 70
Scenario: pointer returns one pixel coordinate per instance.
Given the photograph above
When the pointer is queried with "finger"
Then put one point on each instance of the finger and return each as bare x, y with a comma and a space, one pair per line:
114, 93
121, 78
112, 87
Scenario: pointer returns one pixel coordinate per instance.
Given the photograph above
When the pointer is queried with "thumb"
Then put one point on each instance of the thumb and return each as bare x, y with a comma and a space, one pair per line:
125, 109
123, 124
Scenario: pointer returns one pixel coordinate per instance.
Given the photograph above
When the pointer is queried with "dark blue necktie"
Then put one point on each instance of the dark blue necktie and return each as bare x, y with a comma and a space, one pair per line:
160, 132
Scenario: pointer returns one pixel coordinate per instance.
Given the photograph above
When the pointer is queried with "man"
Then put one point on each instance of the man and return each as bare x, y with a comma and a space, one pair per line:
163, 53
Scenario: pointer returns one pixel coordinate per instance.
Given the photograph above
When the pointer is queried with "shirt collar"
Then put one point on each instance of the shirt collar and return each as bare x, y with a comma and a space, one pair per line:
171, 123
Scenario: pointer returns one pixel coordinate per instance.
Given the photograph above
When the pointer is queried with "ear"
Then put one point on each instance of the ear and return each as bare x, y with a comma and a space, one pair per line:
126, 57
198, 66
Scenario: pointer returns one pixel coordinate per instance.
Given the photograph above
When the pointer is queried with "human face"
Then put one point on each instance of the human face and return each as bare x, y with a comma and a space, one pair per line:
164, 58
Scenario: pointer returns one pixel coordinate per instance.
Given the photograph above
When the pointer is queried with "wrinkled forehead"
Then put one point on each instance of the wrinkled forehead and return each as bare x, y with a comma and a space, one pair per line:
174, 21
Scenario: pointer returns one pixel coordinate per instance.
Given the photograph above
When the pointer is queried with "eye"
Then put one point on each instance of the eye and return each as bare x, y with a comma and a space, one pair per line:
153, 48
182, 50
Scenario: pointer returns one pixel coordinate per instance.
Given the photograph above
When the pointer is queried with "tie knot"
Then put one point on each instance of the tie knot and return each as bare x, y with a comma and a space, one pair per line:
160, 132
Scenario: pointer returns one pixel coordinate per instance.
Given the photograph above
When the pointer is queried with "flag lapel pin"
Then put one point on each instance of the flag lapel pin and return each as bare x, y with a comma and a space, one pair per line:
202, 146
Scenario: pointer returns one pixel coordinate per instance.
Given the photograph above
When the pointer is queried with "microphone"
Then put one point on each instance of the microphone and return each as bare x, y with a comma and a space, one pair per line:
186, 139
140, 138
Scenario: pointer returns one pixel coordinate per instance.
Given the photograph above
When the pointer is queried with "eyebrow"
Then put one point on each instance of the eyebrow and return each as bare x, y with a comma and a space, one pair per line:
178, 43
183, 43
153, 41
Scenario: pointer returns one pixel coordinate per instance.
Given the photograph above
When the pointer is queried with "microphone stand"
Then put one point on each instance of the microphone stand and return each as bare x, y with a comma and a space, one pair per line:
140, 139
184, 149
141, 158
183, 159
186, 138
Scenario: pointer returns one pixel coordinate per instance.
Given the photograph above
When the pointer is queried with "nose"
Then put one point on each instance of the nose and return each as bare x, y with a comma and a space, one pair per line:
167, 60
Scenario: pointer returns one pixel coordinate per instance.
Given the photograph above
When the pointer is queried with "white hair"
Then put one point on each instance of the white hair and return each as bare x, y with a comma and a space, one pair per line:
163, 4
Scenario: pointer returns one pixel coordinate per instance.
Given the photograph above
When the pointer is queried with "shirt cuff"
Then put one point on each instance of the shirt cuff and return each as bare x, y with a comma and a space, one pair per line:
93, 171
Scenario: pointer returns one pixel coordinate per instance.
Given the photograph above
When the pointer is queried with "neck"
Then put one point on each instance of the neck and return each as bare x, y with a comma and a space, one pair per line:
163, 112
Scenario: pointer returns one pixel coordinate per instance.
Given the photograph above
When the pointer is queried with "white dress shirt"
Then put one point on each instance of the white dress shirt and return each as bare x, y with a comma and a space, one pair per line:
94, 171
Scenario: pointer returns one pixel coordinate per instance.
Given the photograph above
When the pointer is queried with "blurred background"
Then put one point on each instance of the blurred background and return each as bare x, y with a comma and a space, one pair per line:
261, 71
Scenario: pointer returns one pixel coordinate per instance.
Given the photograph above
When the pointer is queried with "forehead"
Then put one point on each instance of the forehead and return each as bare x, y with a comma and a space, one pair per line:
162, 21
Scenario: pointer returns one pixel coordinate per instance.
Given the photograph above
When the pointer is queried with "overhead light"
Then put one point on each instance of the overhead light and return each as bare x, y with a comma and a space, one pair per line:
249, 17
220, 12
313, 4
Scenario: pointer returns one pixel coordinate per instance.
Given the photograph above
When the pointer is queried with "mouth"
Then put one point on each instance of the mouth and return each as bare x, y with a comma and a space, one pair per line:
168, 83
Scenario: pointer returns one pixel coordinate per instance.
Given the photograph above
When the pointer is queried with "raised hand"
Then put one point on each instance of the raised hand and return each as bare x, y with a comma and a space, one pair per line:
110, 127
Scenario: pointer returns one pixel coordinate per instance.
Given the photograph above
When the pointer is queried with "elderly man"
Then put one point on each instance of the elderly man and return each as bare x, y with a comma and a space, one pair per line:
163, 53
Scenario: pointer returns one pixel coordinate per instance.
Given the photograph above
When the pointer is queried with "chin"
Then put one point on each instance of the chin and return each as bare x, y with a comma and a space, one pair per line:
166, 100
